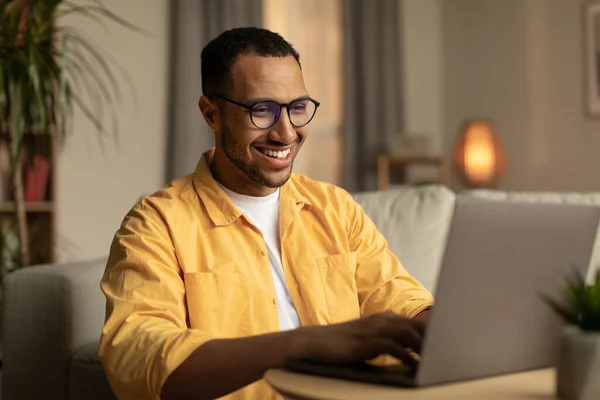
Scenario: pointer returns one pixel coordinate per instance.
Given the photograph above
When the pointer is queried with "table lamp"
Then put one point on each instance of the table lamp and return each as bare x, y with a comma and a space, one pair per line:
478, 156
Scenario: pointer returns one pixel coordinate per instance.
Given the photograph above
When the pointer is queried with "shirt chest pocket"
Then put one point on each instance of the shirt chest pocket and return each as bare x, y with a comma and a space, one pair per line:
219, 303
339, 285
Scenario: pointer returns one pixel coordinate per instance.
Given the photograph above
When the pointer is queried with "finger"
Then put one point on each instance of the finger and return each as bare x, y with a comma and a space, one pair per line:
403, 332
411, 338
419, 325
388, 346
419, 322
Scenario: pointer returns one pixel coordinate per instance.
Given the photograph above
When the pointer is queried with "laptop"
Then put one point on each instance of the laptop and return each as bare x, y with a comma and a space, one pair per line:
489, 318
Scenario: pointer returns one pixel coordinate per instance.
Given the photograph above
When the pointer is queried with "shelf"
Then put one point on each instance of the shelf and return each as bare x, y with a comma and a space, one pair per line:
30, 131
386, 161
37, 207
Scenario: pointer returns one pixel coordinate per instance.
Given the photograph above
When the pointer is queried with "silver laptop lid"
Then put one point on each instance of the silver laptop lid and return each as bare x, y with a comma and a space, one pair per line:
489, 318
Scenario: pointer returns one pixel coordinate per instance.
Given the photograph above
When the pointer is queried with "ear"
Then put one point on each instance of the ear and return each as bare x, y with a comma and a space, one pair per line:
210, 111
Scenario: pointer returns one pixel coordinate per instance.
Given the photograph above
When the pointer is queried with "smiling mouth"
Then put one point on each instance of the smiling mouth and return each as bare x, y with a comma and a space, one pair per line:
275, 154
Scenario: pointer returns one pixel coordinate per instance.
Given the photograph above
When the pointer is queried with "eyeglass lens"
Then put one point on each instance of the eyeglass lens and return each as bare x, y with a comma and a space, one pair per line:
266, 113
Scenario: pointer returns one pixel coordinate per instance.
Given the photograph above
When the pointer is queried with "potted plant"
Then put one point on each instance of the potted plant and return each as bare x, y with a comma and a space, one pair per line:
578, 372
46, 70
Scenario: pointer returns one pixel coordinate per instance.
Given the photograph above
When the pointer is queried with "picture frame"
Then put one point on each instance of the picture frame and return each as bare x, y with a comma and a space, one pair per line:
591, 58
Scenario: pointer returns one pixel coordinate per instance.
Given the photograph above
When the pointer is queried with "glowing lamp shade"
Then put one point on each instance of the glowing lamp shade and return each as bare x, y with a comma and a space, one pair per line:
478, 155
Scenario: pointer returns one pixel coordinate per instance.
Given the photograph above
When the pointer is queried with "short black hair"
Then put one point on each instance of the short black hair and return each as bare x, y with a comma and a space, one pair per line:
219, 55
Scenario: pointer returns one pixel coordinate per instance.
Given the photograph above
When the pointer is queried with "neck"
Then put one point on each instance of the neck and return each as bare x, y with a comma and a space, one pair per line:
234, 182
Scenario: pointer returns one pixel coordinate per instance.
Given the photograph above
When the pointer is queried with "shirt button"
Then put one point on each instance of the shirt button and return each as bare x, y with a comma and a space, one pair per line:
263, 253
274, 302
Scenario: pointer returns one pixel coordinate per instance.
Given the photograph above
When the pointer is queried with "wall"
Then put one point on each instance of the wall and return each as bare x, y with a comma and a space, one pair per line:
422, 70
97, 187
520, 63
564, 143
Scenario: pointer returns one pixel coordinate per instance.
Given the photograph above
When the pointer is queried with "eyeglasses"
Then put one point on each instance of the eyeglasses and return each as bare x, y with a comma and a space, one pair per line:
264, 114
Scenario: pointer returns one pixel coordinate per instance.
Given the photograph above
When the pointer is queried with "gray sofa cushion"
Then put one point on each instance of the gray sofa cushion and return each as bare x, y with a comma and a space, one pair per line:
415, 221
86, 378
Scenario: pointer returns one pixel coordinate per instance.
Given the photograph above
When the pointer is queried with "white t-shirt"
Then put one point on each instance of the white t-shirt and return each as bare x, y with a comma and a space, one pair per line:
264, 213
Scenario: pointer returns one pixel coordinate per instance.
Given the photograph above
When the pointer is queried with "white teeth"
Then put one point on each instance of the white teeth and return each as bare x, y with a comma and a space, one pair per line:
276, 154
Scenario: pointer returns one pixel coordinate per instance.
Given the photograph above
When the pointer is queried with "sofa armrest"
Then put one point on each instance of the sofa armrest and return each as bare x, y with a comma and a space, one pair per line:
50, 311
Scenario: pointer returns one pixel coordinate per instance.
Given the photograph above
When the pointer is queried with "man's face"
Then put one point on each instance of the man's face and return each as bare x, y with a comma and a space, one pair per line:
251, 149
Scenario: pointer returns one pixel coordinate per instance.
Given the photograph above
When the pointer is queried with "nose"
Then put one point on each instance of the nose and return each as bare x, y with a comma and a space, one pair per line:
283, 131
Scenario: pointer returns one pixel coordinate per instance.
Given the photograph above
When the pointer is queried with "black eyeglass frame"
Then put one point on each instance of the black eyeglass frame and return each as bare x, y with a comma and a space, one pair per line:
281, 105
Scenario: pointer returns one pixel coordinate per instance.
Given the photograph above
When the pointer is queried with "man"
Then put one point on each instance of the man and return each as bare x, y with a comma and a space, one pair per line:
243, 266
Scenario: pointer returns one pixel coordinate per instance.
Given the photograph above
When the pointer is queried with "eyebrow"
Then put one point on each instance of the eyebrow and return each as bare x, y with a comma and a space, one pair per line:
254, 100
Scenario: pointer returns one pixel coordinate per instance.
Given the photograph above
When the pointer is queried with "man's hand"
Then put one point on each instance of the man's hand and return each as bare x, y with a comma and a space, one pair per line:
206, 374
361, 339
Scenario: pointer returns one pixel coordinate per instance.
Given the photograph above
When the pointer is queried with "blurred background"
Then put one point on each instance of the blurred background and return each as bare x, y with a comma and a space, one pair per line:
401, 82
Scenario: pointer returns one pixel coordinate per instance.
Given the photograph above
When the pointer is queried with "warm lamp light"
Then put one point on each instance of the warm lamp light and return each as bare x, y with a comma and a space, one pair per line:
478, 156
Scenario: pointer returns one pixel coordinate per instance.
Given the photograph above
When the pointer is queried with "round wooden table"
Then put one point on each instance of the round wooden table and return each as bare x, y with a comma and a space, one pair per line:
534, 385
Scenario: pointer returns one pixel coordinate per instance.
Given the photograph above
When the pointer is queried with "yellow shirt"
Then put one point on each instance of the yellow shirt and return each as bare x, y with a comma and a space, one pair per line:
186, 266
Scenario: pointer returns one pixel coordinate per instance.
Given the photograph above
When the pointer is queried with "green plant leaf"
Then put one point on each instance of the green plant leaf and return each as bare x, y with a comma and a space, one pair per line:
75, 78
3, 5
70, 8
3, 109
87, 70
568, 315
581, 304
98, 57
89, 114
106, 69
65, 99
34, 75
68, 110
16, 117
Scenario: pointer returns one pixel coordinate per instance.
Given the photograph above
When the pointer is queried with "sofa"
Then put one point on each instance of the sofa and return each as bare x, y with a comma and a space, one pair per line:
54, 313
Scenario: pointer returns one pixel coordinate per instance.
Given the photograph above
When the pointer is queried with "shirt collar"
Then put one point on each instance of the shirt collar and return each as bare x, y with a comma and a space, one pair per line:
220, 207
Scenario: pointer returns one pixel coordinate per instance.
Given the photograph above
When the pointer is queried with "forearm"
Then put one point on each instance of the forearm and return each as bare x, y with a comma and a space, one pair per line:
423, 316
222, 366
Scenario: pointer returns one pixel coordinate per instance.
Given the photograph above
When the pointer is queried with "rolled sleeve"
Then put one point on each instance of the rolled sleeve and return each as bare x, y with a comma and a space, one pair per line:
383, 283
145, 336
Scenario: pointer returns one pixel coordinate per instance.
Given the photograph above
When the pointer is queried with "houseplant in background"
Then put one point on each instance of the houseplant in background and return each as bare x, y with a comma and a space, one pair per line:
46, 70
578, 373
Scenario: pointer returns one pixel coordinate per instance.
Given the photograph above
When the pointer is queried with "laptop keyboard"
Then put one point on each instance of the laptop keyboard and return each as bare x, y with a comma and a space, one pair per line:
393, 375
